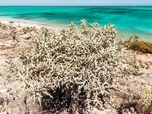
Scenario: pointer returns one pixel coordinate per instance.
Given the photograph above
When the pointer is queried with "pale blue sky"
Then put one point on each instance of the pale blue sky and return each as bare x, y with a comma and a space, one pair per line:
76, 2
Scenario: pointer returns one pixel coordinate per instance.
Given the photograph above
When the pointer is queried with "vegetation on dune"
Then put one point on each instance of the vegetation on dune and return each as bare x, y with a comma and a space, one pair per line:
3, 26
28, 29
146, 101
136, 44
72, 68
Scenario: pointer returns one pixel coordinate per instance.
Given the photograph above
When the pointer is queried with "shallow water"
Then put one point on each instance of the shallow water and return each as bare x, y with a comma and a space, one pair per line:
127, 20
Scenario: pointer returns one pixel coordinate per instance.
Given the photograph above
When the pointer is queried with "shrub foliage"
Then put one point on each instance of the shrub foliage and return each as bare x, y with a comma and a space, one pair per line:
71, 68
136, 44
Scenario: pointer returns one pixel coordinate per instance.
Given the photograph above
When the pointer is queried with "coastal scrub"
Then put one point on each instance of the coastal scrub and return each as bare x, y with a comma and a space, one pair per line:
136, 44
71, 69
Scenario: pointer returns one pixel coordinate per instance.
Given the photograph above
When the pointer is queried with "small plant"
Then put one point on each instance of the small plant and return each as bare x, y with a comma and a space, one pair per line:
136, 44
2, 26
72, 68
11, 22
28, 29
136, 37
146, 99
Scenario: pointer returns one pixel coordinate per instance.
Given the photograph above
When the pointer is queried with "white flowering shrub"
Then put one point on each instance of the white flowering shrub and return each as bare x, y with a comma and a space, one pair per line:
71, 69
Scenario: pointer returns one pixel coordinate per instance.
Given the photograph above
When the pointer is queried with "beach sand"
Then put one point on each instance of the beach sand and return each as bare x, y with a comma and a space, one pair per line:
29, 23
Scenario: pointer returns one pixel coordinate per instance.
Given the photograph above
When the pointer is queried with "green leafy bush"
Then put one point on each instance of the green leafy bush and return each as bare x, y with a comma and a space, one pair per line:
136, 44
71, 68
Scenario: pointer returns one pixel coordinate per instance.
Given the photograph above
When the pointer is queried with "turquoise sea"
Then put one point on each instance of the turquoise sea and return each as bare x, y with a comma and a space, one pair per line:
127, 20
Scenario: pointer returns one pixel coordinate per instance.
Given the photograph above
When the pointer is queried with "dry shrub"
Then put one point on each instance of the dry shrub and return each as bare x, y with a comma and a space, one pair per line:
136, 44
146, 101
71, 69
28, 29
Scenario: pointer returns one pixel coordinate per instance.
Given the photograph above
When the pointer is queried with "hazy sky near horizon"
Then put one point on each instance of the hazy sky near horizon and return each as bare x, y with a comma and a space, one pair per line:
76, 2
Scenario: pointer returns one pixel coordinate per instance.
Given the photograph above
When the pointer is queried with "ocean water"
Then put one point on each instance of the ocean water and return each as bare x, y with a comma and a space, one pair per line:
127, 20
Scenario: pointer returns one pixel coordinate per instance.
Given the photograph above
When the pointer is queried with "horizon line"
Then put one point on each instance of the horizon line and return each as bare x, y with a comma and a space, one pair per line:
82, 5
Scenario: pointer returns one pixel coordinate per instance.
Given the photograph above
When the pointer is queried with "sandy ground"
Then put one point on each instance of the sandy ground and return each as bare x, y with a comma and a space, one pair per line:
13, 102
27, 23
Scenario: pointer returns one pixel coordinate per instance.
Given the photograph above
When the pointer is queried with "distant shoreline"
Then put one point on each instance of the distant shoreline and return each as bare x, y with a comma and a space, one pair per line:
128, 20
29, 23
77, 5
124, 35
